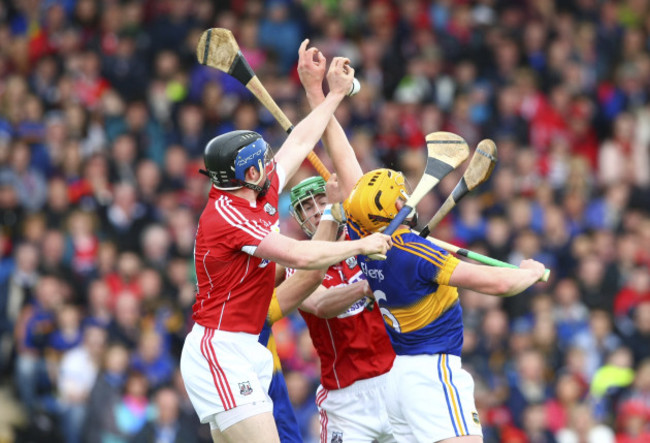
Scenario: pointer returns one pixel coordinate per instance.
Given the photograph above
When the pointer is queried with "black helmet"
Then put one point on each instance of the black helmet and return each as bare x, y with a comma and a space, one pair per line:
227, 157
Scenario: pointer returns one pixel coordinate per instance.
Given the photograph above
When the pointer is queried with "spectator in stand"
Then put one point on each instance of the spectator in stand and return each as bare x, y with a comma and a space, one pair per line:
191, 132
598, 341
633, 423
148, 178
124, 155
536, 426
156, 244
591, 280
167, 426
280, 33
544, 339
125, 278
28, 182
54, 260
638, 340
132, 410
302, 389
58, 203
626, 159
528, 384
152, 359
16, 294
125, 327
98, 310
583, 427
571, 315
569, 392
106, 393
125, 218
67, 333
639, 392
76, 378
175, 168
636, 291
146, 132
493, 336
126, 70
610, 381
37, 321
83, 240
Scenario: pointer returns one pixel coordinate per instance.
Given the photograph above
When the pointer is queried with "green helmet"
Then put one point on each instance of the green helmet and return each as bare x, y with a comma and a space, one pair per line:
307, 189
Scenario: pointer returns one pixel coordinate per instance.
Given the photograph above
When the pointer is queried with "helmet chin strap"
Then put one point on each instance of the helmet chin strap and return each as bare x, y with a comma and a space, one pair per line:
256, 186
413, 222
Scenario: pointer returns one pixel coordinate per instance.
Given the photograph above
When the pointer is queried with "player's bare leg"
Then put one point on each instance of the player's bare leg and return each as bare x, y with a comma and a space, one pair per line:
259, 428
217, 436
464, 439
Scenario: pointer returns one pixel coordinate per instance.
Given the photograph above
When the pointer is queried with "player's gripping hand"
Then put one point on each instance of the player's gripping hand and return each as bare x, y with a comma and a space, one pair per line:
333, 190
340, 76
311, 68
376, 243
535, 267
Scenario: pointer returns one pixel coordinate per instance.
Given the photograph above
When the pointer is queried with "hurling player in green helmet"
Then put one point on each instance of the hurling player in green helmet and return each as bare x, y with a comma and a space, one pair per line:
307, 199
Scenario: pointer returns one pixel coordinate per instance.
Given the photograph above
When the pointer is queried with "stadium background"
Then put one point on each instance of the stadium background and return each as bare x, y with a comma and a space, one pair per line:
104, 113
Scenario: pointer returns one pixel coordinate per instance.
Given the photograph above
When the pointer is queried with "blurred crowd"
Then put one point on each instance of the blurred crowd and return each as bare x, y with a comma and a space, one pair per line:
104, 114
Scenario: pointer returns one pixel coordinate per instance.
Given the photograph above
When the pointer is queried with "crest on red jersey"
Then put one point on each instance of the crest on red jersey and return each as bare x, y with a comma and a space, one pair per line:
351, 262
268, 207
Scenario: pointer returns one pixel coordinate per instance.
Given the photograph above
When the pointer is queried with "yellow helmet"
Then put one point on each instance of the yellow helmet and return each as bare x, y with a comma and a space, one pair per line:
371, 204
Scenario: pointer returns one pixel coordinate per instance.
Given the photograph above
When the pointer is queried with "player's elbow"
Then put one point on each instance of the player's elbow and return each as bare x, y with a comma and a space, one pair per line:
504, 287
324, 313
495, 286
315, 277
302, 262
322, 309
310, 259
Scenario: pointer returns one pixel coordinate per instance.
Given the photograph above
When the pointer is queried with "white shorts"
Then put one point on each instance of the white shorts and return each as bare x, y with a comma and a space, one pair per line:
223, 370
431, 398
356, 413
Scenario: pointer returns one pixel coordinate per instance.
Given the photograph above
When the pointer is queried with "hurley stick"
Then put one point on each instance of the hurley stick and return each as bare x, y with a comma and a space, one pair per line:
478, 171
445, 151
218, 49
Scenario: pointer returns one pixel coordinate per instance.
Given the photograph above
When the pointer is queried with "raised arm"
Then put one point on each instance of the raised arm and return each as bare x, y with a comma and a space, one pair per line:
307, 133
504, 282
311, 69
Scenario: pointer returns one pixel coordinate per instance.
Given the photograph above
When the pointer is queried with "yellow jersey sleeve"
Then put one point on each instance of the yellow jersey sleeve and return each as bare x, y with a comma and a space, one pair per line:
275, 313
446, 270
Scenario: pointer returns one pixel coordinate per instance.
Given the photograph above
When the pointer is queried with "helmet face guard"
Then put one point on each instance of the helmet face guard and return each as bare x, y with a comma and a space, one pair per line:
304, 197
259, 155
372, 203
255, 154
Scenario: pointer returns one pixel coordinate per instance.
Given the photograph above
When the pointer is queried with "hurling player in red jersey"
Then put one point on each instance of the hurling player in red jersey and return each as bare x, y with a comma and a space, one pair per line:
226, 371
354, 350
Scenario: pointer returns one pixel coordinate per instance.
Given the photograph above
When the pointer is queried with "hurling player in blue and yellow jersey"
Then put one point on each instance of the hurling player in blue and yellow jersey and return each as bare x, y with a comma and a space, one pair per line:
430, 397
285, 419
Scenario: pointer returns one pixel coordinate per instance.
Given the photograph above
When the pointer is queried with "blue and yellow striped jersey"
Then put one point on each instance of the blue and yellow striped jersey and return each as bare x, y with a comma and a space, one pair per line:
422, 313
285, 419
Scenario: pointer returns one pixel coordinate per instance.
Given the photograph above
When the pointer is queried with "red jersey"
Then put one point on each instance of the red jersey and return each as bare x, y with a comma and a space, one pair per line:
234, 287
353, 346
